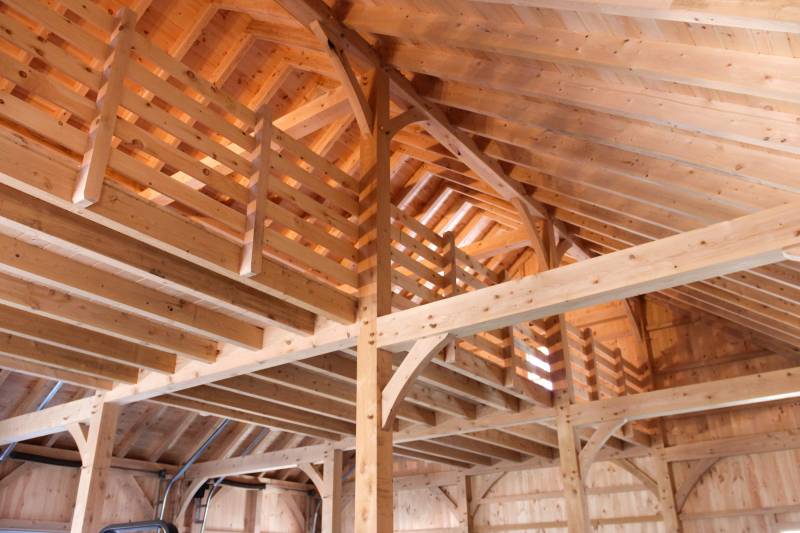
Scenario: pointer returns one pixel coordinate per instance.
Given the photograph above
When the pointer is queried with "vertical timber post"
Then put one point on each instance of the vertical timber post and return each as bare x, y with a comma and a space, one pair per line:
569, 444
464, 495
93, 482
332, 491
253, 249
373, 485
89, 182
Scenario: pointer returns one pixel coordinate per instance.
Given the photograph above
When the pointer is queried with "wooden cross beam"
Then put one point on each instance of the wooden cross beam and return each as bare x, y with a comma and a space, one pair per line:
747, 242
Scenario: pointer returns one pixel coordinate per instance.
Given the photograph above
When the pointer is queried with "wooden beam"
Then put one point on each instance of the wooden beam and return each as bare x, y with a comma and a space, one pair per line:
77, 234
740, 244
47, 421
249, 464
253, 249
696, 471
739, 445
666, 497
348, 79
498, 244
572, 477
332, 501
24, 349
68, 336
52, 304
373, 499
403, 378
744, 390
93, 482
459, 143
47, 372
42, 266
702, 66
92, 173
280, 347
768, 16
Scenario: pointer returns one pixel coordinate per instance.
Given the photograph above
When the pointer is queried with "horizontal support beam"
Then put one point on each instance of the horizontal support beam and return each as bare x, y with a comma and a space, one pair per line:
280, 348
773, 441
733, 392
262, 462
47, 421
740, 244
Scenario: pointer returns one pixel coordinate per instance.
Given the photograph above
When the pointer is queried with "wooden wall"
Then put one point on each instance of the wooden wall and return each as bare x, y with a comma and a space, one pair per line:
42, 496
45, 495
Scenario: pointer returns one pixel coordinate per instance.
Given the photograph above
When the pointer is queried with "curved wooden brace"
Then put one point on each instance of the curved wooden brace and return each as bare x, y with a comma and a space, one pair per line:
341, 65
638, 473
309, 470
696, 471
402, 120
79, 435
188, 496
596, 442
473, 507
413, 364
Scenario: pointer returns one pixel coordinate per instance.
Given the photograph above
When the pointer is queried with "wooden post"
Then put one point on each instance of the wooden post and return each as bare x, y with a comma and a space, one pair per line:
464, 512
373, 484
332, 492
666, 495
451, 278
451, 265
569, 447
93, 482
592, 377
254, 507
252, 252
663, 474
574, 490
92, 172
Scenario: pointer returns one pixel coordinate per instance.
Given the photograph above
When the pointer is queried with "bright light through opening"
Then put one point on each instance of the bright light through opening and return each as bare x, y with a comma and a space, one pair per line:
539, 363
